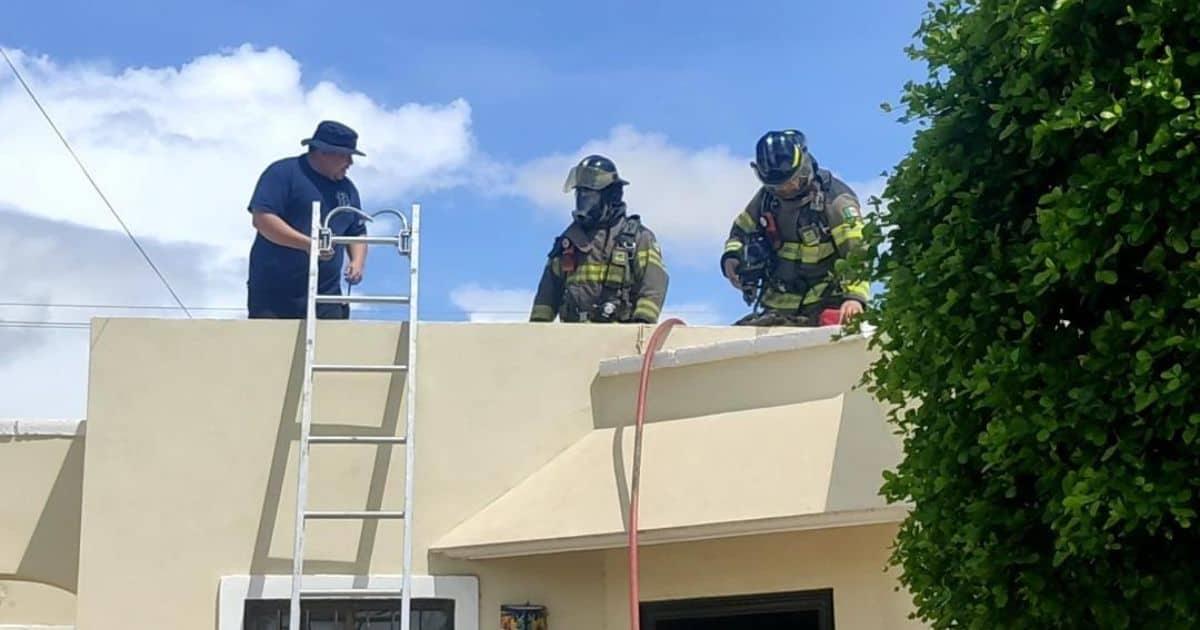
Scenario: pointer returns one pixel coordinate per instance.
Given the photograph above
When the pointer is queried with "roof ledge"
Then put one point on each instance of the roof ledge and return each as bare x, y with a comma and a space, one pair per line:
13, 428
736, 349
690, 533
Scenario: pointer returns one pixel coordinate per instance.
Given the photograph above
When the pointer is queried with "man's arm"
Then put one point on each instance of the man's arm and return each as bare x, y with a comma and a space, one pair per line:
268, 202
549, 292
652, 290
846, 224
745, 224
357, 252
276, 230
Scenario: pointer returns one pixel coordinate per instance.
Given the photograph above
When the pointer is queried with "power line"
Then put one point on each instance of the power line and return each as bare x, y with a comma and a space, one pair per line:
123, 307
88, 175
10, 323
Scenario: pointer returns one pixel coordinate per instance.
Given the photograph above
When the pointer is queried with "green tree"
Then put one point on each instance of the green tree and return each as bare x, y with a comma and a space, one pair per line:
1039, 331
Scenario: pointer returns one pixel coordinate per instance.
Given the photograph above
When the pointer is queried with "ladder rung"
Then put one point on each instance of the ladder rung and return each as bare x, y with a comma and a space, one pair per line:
369, 240
350, 592
353, 514
331, 367
354, 439
363, 299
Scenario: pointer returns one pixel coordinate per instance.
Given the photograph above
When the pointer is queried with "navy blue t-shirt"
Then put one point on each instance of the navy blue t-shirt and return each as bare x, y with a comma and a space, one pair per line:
287, 188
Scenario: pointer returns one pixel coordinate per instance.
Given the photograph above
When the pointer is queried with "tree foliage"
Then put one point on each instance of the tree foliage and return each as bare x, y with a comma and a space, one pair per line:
1039, 331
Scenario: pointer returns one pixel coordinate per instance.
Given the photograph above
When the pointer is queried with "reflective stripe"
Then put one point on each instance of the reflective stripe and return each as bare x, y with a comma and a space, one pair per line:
542, 313
778, 300
733, 245
859, 289
774, 299
648, 308
648, 257
798, 252
615, 275
588, 272
847, 231
556, 267
745, 222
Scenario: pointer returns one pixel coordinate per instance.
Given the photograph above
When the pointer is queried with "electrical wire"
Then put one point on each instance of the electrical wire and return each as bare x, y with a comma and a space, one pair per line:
88, 175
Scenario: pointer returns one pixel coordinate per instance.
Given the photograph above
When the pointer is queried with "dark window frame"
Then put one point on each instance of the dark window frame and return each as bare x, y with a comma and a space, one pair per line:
346, 606
819, 600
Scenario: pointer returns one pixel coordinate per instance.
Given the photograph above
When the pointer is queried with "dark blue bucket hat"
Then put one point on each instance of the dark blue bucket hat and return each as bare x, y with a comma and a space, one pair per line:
334, 137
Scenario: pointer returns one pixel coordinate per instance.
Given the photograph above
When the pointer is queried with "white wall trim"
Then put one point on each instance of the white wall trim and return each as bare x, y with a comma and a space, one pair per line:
236, 589
736, 349
41, 428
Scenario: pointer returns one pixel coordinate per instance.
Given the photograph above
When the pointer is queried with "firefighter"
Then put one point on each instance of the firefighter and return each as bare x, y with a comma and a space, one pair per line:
607, 266
782, 248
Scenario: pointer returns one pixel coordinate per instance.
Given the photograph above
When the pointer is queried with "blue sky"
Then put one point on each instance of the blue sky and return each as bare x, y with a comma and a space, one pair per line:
477, 110
545, 78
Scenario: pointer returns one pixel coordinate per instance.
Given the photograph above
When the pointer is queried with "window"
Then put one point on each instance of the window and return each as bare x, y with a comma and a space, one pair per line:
801, 610
350, 614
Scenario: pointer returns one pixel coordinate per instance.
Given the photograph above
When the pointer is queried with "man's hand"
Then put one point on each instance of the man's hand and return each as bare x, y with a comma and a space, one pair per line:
354, 271
849, 309
731, 268
324, 255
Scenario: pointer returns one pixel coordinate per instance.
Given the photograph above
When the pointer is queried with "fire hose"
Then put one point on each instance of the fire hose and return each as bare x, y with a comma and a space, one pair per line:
656, 341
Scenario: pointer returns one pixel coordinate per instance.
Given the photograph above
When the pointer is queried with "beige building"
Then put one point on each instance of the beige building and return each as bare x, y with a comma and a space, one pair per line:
172, 505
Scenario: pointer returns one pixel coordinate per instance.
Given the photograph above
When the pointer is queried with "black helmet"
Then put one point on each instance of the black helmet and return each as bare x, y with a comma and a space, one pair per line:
781, 154
594, 172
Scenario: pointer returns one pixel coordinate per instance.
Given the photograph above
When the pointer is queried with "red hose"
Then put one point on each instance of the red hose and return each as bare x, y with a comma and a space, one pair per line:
656, 342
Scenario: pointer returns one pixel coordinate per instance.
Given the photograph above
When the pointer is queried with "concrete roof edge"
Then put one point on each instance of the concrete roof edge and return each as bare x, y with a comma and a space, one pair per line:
42, 428
736, 349
687, 533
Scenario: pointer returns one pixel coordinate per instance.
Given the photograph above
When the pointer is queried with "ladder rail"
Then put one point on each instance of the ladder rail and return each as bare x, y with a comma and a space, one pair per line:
408, 243
410, 387
310, 332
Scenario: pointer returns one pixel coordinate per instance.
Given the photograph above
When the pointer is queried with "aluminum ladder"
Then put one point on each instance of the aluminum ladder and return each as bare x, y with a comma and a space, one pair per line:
407, 243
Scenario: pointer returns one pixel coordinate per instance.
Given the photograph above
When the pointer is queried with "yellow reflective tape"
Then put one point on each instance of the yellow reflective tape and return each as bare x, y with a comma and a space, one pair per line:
615, 275
733, 246
815, 293
795, 156
541, 312
587, 272
782, 301
745, 222
859, 289
798, 252
648, 306
556, 267
651, 257
847, 231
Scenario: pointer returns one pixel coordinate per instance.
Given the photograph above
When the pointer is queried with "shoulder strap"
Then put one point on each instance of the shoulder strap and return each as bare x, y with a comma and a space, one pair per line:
626, 241
632, 227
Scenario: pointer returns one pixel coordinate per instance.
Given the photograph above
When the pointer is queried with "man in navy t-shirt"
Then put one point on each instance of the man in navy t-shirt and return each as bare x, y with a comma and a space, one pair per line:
281, 207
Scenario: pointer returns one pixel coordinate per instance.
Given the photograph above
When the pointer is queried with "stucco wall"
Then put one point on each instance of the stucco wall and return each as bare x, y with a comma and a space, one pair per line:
849, 560
40, 486
31, 604
190, 463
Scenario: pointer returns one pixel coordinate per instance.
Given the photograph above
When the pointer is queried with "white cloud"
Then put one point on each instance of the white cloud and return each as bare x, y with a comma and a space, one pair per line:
177, 150
44, 370
482, 304
688, 197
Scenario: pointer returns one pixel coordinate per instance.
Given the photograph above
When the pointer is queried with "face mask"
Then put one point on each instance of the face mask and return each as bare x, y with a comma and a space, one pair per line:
589, 207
